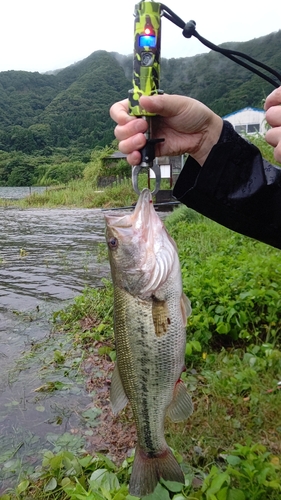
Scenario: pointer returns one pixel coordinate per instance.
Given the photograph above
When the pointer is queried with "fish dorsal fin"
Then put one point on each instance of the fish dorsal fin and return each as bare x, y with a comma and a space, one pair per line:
118, 397
181, 406
160, 315
185, 308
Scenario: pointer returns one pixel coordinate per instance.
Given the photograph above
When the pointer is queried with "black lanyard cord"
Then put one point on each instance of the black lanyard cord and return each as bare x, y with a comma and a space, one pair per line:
189, 31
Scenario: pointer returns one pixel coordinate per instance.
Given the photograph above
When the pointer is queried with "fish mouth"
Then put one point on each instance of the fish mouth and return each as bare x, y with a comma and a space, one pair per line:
140, 220
144, 210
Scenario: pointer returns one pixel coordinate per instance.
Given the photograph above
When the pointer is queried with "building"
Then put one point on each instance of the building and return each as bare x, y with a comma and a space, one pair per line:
248, 121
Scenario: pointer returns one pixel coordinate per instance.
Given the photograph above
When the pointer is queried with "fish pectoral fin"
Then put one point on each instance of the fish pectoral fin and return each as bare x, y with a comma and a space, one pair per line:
118, 397
181, 406
185, 308
160, 315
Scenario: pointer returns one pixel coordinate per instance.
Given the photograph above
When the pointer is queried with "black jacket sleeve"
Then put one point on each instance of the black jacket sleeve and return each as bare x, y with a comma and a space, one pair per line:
235, 187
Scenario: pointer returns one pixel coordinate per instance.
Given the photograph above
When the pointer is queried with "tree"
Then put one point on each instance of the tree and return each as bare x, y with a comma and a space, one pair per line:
22, 175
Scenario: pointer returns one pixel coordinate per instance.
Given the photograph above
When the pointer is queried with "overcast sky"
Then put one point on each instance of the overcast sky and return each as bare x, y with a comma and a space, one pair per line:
43, 35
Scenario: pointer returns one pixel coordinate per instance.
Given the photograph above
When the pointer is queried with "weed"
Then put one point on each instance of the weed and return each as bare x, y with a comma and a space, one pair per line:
234, 295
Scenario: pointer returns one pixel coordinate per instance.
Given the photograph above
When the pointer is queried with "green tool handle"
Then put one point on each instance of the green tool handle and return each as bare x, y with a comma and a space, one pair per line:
147, 45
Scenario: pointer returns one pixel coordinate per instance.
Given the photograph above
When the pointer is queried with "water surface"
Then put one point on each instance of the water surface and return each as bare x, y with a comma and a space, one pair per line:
47, 258
16, 193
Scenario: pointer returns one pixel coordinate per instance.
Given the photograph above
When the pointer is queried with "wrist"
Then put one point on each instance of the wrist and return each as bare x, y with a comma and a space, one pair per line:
210, 137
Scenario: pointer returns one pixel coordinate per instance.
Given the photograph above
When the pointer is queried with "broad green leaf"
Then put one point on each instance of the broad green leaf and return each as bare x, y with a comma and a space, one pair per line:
51, 485
220, 309
109, 464
223, 328
275, 484
103, 478
160, 493
68, 486
66, 482
218, 481
196, 345
188, 349
233, 460
23, 486
104, 350
222, 494
55, 462
121, 493
173, 486
106, 493
85, 461
234, 494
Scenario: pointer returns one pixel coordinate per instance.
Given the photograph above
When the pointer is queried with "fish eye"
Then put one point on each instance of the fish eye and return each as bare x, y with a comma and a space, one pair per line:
113, 243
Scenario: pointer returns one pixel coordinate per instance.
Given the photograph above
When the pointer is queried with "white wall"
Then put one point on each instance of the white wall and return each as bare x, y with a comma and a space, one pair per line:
249, 120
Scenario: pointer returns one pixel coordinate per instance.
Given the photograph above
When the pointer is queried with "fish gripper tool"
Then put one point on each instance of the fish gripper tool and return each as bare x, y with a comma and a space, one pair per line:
146, 76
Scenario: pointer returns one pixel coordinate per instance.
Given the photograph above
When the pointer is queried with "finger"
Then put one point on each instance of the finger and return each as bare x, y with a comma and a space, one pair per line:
277, 153
273, 99
134, 158
132, 144
119, 112
130, 129
165, 105
273, 136
273, 116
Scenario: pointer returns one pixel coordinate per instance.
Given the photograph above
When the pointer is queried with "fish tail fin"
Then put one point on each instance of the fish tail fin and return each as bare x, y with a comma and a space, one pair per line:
147, 471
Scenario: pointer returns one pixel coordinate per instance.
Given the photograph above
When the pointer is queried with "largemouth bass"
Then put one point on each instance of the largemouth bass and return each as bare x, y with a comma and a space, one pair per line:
150, 314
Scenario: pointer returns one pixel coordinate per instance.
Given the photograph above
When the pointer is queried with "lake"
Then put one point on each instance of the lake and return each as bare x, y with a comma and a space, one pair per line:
47, 258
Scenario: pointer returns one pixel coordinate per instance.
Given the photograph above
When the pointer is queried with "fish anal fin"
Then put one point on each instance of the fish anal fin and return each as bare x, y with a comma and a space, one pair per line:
160, 315
118, 397
147, 471
181, 406
185, 308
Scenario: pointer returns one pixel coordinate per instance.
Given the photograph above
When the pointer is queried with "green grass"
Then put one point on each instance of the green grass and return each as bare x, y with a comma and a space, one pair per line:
81, 193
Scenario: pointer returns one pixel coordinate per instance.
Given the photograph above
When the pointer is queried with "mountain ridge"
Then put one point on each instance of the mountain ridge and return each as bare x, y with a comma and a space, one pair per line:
71, 106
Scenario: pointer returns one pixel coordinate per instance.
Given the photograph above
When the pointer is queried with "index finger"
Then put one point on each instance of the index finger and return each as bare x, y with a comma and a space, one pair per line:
119, 112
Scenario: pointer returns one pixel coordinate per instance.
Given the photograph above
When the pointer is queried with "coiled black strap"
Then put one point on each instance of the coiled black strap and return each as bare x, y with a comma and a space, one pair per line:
235, 56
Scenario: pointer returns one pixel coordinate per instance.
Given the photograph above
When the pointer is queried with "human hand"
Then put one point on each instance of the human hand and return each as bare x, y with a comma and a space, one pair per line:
187, 126
272, 107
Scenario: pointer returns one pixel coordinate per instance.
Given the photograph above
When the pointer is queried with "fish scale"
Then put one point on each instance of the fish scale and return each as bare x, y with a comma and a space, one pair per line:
138, 362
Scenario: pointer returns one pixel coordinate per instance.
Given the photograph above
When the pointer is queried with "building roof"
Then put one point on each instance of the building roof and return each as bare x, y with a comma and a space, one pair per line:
242, 111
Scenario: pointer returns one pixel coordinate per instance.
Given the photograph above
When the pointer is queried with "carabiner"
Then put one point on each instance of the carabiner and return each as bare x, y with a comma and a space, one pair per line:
135, 173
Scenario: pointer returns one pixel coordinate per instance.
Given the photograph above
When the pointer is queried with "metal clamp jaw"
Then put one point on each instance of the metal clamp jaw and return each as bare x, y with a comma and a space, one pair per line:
147, 160
137, 169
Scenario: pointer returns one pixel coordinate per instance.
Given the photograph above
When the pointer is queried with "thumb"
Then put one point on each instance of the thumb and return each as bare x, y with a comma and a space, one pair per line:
164, 105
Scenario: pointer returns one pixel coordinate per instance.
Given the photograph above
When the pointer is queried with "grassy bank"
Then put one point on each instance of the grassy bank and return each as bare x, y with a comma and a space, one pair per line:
78, 194
85, 193
230, 448
82, 194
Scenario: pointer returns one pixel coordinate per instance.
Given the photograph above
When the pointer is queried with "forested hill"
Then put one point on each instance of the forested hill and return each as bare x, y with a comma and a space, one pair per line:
70, 107
39, 111
217, 81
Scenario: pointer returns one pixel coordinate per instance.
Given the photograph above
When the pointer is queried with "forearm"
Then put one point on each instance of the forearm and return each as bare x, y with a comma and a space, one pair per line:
236, 188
